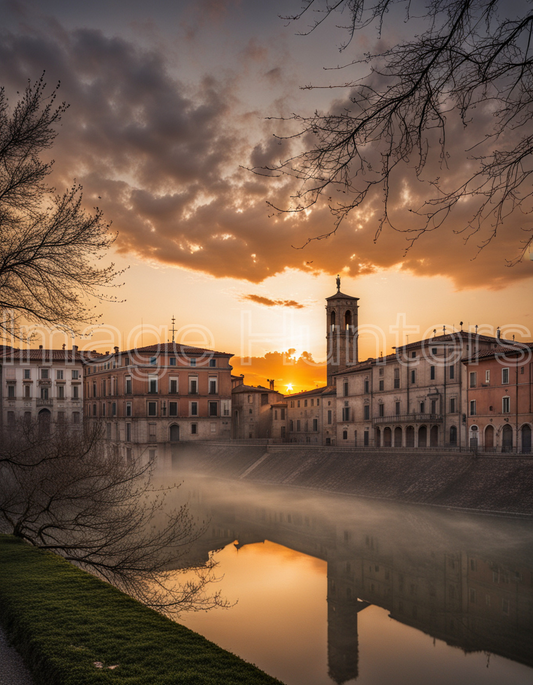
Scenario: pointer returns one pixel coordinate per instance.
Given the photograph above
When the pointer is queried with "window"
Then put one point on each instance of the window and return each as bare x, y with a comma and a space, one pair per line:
152, 436
192, 362
226, 409
213, 408
452, 405
27, 374
172, 408
298, 403
346, 413
103, 408
152, 408
345, 435
113, 408
366, 438
128, 408
329, 416
193, 411
27, 392
173, 386
94, 409
397, 408
487, 376
473, 379
366, 412
152, 384
103, 389
345, 388
452, 373
44, 393
75, 375
282, 413
355, 438
305, 403
432, 373
434, 350
382, 384
61, 392
422, 407
153, 361
193, 385
381, 409
396, 378
315, 424
212, 363
75, 392
11, 390
413, 355
172, 361
94, 388
472, 407
44, 374
75, 417
367, 386
505, 376
433, 406
213, 389
292, 404
312, 401
194, 428
298, 425
59, 374
506, 405
128, 432
413, 376
318, 402
291, 425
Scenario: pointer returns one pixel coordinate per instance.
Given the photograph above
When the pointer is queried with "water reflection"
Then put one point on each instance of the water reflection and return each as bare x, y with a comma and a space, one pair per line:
465, 580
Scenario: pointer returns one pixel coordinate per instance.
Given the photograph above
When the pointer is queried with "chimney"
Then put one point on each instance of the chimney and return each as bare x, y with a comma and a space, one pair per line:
63, 346
271, 384
40, 347
116, 349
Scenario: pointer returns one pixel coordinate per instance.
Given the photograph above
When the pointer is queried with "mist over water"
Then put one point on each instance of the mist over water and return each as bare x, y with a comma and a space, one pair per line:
334, 589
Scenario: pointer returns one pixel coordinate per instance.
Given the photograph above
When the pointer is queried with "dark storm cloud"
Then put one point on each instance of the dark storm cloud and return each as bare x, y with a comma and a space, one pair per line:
163, 159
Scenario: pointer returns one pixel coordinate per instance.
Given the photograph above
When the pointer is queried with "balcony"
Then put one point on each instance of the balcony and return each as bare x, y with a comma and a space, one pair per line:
409, 418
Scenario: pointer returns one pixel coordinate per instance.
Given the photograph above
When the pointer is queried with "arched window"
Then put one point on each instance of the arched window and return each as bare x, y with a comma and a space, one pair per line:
174, 433
453, 435
332, 320
347, 319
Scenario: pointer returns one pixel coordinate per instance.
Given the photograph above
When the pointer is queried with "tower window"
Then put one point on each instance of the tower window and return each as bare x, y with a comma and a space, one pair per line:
347, 320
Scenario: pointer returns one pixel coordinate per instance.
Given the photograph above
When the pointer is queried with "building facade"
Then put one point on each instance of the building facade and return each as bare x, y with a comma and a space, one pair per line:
500, 399
312, 416
152, 398
415, 398
253, 413
41, 385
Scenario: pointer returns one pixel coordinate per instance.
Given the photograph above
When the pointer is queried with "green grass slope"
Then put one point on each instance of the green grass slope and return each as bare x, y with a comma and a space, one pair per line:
63, 620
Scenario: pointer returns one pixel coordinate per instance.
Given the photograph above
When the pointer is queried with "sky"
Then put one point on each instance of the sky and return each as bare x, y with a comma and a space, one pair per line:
171, 104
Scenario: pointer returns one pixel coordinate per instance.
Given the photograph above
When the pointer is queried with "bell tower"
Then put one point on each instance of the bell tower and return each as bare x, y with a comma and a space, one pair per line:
341, 331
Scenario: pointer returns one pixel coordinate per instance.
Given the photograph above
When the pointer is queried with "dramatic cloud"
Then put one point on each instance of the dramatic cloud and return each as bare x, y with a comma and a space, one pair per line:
259, 299
302, 372
166, 160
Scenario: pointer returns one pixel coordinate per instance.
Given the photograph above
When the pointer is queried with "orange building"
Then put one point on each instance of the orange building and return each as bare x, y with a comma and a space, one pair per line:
500, 398
152, 398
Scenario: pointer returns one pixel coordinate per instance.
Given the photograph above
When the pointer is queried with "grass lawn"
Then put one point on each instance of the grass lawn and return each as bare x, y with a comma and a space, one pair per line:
63, 620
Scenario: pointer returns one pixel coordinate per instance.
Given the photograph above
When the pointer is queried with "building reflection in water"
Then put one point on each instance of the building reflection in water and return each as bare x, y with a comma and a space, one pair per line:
466, 580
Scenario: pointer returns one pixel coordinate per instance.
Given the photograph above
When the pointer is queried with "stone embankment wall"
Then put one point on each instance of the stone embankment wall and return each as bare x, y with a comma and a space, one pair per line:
500, 484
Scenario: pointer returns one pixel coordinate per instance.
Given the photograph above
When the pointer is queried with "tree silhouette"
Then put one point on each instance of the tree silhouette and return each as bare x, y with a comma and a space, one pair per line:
467, 75
49, 246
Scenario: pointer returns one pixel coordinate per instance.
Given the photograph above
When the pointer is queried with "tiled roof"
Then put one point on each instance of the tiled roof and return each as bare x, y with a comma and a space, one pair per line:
176, 348
9, 354
341, 296
311, 393
511, 349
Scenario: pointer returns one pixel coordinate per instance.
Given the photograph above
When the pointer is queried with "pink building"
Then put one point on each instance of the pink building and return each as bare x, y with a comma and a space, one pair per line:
152, 398
500, 398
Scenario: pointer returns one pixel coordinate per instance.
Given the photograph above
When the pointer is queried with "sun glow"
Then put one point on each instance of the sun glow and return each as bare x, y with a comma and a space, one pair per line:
289, 387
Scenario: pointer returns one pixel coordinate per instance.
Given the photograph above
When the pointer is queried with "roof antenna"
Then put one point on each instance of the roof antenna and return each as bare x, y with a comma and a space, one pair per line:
173, 329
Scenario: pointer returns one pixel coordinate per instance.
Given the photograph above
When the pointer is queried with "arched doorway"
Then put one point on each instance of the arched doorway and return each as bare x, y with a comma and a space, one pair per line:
422, 436
174, 433
526, 439
387, 437
507, 438
410, 436
434, 436
378, 437
397, 436
489, 438
453, 436
45, 418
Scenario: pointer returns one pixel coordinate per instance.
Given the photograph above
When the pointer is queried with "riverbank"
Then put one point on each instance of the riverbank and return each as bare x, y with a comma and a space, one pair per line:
498, 484
73, 629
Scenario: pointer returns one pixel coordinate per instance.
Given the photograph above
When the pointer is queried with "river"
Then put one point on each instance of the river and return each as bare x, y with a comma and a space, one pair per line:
334, 589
